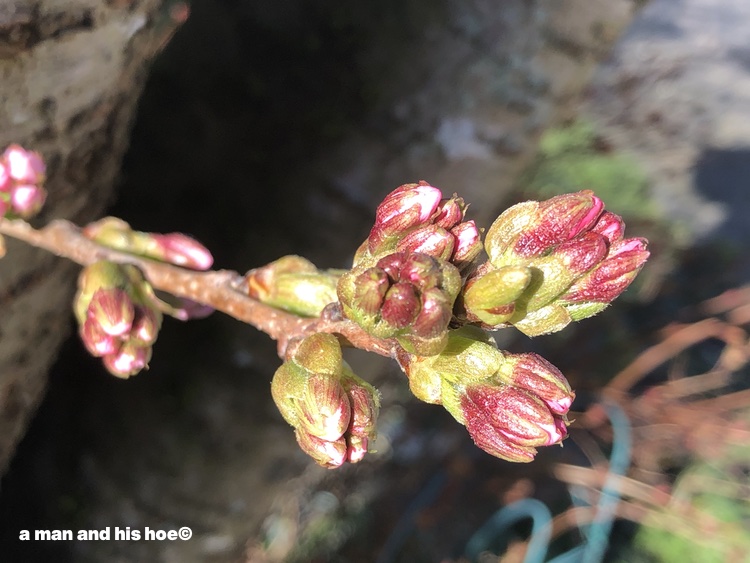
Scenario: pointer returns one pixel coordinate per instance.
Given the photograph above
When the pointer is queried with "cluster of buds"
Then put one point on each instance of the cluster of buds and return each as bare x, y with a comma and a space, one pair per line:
174, 248
332, 411
21, 178
510, 403
408, 296
416, 218
294, 284
552, 262
407, 274
117, 315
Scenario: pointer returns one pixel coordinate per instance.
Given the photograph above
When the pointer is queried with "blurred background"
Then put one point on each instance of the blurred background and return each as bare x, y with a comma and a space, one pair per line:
274, 127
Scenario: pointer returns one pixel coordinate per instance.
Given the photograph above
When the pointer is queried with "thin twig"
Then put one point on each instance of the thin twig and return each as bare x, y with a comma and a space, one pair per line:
217, 289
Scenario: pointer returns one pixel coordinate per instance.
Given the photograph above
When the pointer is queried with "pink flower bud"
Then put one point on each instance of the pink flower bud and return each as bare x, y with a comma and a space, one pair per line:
486, 437
429, 239
406, 207
356, 448
539, 377
129, 360
420, 270
610, 226
559, 219
183, 250
582, 253
146, 324
27, 199
24, 166
370, 289
514, 413
468, 243
435, 314
112, 309
98, 342
449, 213
329, 454
400, 306
612, 276
324, 409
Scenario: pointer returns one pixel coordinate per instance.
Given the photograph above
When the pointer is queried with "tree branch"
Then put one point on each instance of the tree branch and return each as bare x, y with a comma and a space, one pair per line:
221, 290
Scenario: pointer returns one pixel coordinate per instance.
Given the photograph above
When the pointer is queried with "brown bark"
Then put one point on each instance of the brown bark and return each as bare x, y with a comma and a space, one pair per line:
70, 74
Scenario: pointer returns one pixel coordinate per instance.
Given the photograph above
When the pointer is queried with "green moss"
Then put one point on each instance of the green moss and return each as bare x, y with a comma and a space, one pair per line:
571, 159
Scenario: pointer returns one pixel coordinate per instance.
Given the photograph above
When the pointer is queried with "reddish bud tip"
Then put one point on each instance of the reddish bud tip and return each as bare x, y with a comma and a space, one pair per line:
430, 239
400, 306
183, 250
113, 310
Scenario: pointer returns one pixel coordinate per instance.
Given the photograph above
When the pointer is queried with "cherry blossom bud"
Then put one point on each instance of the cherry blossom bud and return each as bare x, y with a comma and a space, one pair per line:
468, 244
406, 207
328, 454
146, 325
450, 212
539, 377
113, 311
182, 250
612, 276
610, 226
486, 437
514, 413
400, 306
27, 199
370, 289
98, 342
420, 270
129, 360
324, 409
429, 239
24, 166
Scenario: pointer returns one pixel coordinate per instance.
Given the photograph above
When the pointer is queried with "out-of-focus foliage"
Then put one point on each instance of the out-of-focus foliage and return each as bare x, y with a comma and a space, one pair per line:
708, 518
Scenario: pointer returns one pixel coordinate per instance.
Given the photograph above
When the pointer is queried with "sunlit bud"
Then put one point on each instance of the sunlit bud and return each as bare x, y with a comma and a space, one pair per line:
495, 443
429, 239
146, 324
182, 250
113, 311
287, 386
392, 264
329, 454
531, 229
468, 243
261, 281
27, 199
406, 207
435, 313
450, 212
420, 270
559, 219
400, 306
488, 295
582, 253
24, 166
612, 276
610, 226
365, 404
516, 414
370, 289
129, 360
539, 377
98, 342
324, 409
356, 448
